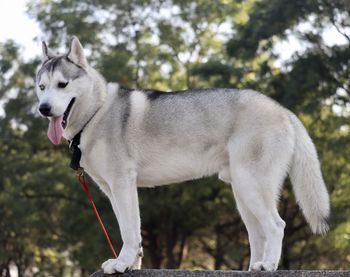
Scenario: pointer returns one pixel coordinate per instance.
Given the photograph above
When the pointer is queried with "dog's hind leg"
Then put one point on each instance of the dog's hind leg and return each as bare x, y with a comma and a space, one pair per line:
259, 157
265, 232
258, 166
256, 235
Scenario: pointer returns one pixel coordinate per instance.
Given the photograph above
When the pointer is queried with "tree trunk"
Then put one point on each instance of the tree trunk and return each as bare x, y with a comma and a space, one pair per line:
219, 258
170, 245
182, 250
155, 252
285, 258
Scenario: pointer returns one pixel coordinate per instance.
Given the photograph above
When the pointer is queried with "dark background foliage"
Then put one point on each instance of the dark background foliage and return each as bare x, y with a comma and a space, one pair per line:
47, 228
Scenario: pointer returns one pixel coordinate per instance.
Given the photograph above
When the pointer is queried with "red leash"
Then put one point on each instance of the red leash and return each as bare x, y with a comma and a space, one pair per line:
85, 186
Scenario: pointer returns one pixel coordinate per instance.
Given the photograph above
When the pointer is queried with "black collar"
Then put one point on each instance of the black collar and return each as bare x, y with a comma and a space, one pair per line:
76, 152
74, 148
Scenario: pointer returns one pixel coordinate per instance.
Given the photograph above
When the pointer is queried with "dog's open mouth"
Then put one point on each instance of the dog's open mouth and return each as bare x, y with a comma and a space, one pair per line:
58, 124
66, 113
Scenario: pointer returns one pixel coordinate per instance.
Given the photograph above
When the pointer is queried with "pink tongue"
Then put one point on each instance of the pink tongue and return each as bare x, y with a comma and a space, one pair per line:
55, 130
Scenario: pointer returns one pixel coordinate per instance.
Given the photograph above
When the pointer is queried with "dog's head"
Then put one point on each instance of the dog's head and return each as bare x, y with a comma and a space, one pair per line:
60, 81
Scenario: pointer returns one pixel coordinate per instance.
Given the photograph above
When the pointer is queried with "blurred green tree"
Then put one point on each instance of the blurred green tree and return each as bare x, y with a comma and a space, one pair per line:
171, 45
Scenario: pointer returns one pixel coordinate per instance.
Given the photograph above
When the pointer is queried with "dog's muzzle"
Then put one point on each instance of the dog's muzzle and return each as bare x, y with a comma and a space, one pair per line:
45, 109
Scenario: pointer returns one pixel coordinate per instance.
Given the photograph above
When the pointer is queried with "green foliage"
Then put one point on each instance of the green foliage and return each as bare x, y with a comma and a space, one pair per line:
47, 228
314, 84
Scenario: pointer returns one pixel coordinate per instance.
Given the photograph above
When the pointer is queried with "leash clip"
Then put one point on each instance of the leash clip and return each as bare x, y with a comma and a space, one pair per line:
70, 143
80, 172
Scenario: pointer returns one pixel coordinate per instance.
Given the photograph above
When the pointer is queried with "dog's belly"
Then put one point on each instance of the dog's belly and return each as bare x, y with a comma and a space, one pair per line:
177, 166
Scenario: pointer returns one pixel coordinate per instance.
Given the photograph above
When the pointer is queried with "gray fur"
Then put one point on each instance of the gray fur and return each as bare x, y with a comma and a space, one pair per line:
69, 70
142, 138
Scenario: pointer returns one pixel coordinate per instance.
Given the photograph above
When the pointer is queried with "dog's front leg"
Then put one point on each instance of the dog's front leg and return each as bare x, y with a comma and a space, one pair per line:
125, 204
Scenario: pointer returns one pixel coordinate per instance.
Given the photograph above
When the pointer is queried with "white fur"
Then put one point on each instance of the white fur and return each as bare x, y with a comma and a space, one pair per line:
112, 87
138, 107
306, 177
76, 53
245, 137
58, 99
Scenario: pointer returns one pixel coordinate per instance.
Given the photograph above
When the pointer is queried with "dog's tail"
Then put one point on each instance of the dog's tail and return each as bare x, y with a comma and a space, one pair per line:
307, 181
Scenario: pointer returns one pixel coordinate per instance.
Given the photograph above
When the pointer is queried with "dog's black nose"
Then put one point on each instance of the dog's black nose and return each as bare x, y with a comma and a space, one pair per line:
45, 109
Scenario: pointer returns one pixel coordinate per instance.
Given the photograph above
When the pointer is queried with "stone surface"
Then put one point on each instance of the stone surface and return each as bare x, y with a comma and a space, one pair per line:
222, 273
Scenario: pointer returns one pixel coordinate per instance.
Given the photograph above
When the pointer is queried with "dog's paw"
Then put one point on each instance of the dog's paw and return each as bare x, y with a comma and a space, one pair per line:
114, 266
263, 266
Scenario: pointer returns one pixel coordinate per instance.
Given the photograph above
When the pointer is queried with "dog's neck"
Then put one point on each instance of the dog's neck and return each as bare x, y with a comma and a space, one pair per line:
86, 107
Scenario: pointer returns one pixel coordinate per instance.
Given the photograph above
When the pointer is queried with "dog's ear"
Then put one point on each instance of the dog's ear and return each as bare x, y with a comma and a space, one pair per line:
76, 53
47, 53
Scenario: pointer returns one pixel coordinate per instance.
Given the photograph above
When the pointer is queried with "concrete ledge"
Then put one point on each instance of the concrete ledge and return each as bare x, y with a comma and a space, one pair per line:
223, 273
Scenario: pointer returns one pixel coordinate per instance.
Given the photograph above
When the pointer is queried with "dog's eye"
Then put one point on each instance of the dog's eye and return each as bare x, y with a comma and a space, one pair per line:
42, 87
62, 84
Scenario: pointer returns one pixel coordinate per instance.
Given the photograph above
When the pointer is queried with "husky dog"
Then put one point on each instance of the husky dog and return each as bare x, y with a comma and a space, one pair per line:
142, 138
